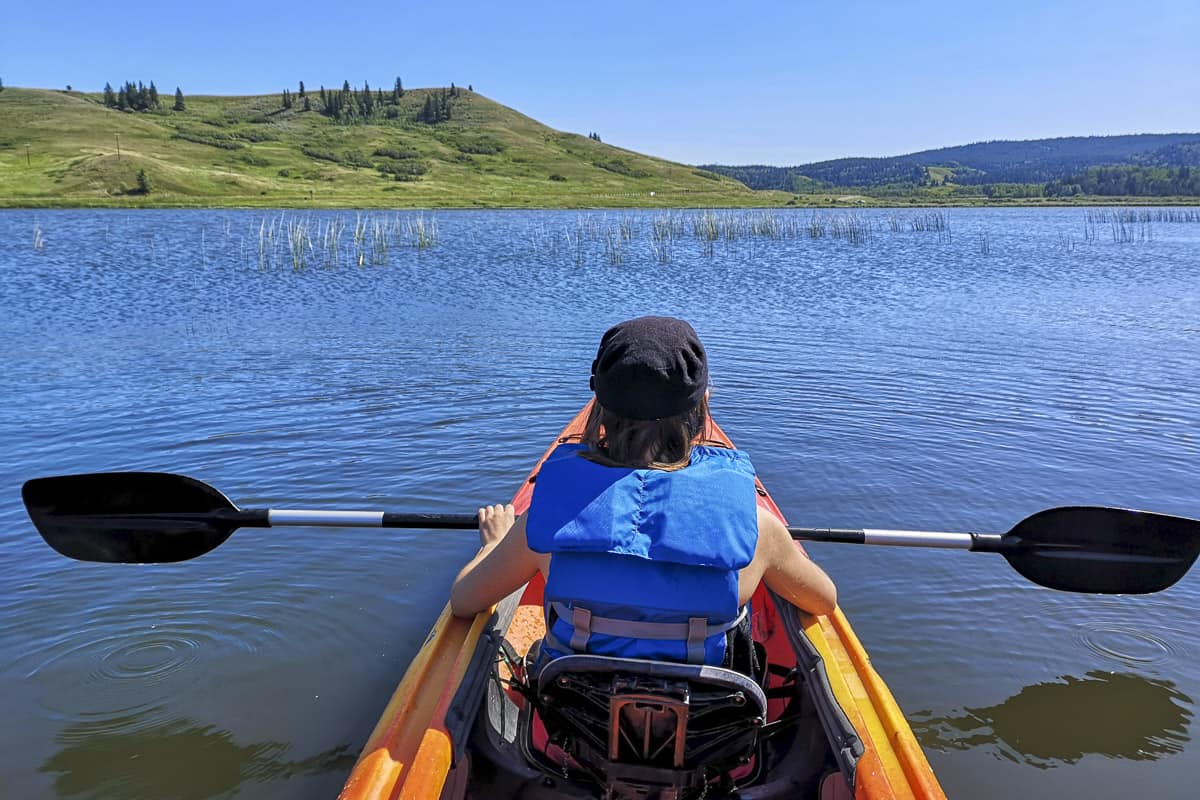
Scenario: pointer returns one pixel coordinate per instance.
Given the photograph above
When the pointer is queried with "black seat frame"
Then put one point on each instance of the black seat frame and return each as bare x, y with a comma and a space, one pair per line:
650, 729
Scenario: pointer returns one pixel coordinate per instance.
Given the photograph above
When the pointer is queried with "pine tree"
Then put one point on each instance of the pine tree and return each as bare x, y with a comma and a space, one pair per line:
153, 95
178, 100
110, 97
143, 182
2, 85
302, 89
397, 91
123, 99
307, 106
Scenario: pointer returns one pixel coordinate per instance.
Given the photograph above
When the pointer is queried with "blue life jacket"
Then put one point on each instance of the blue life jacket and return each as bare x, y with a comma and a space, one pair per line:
644, 562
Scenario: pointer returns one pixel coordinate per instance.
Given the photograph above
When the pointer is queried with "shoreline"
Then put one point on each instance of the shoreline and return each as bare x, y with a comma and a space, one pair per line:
794, 203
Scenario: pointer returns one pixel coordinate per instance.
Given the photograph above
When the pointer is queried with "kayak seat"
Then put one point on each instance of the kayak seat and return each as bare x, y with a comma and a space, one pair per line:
650, 729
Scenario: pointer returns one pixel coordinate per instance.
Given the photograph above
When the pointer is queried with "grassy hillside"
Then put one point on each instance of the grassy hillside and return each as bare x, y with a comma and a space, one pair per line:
249, 151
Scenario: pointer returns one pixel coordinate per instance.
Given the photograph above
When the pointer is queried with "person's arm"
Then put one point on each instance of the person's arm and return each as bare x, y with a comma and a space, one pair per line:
503, 564
790, 573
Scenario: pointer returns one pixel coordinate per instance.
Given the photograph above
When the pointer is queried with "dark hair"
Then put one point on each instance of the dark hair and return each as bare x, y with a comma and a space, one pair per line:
665, 443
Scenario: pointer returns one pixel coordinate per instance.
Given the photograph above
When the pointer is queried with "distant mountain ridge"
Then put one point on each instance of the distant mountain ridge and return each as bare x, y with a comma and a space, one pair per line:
1031, 161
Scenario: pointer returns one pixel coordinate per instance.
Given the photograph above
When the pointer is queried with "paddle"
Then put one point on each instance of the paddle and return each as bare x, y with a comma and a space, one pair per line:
157, 517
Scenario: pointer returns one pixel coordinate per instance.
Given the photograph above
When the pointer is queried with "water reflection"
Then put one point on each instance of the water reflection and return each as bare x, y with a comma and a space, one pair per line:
179, 759
1117, 715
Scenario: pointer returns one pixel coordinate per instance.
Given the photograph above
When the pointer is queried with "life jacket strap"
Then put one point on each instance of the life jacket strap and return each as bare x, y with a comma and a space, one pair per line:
695, 631
581, 618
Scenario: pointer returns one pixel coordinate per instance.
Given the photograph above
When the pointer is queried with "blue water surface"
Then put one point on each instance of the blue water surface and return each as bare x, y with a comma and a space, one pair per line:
959, 378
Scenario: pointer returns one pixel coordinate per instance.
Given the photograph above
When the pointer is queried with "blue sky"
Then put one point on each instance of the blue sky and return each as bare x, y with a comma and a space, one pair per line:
752, 82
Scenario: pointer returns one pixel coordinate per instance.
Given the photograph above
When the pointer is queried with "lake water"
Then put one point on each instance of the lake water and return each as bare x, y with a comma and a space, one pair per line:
952, 379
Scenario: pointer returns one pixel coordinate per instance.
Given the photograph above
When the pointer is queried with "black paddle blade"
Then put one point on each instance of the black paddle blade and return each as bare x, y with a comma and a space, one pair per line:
129, 517
1103, 550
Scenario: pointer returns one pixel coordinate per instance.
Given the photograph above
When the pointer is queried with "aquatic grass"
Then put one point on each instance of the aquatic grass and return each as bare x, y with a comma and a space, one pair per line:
767, 224
379, 242
816, 227
1125, 225
626, 227
1128, 228
930, 221
661, 248
706, 227
852, 227
303, 240
423, 232
666, 227
299, 242
331, 241
1176, 215
613, 238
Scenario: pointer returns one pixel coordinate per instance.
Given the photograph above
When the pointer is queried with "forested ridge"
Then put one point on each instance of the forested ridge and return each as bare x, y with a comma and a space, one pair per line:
1138, 165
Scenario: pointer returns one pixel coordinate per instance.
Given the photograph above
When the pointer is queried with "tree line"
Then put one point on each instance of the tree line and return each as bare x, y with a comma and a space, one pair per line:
1038, 162
351, 106
1130, 181
139, 97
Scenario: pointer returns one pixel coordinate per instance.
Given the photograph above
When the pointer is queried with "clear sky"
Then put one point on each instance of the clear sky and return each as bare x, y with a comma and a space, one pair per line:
782, 83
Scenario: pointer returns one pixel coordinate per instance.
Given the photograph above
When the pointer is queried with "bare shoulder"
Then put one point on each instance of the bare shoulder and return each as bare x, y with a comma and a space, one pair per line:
788, 571
772, 534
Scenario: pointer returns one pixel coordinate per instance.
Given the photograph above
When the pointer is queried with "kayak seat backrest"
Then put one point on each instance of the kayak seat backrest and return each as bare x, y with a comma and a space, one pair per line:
645, 727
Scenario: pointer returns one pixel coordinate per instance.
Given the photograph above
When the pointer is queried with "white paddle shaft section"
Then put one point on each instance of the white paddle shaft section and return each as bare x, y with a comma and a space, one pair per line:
954, 541
337, 519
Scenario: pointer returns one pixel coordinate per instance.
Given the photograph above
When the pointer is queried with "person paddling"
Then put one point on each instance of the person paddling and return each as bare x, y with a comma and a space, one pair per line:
650, 542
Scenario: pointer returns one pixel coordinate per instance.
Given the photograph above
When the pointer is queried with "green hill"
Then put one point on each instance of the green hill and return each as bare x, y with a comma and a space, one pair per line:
250, 151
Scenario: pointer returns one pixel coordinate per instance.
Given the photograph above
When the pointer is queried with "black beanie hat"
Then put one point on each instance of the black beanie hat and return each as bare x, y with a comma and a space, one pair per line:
650, 368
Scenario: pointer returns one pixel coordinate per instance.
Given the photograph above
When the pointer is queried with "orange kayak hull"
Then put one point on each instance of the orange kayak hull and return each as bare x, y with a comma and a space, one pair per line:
420, 749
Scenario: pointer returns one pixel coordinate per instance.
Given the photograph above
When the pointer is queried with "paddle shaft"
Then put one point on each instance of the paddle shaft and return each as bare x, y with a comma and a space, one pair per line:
277, 517
982, 542
874, 536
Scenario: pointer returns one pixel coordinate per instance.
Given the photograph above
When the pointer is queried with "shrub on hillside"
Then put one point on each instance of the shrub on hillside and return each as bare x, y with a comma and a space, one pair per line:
621, 168
399, 155
404, 171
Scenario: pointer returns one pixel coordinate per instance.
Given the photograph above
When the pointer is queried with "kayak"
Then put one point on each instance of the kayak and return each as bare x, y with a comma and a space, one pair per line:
464, 721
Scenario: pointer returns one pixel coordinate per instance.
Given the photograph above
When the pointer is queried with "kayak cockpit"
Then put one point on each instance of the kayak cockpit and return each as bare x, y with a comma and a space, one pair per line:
463, 722
631, 729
